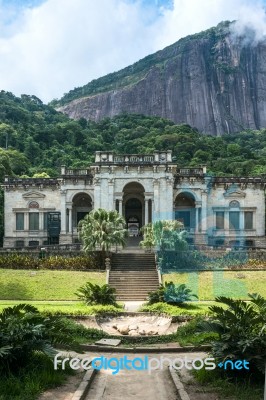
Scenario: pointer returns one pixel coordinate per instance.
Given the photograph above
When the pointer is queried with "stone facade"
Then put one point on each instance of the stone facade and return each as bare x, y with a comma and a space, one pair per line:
143, 188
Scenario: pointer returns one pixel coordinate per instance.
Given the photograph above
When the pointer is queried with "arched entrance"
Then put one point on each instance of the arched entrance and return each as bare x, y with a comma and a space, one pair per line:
133, 207
82, 205
185, 210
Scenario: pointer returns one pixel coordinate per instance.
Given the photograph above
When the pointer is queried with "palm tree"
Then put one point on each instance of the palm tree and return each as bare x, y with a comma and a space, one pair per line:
102, 229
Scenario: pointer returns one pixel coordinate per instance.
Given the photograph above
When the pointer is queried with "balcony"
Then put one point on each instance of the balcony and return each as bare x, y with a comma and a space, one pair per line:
29, 182
109, 157
190, 172
134, 159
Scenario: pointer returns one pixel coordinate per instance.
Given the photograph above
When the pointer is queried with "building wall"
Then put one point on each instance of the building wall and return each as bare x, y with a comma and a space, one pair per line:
19, 201
109, 184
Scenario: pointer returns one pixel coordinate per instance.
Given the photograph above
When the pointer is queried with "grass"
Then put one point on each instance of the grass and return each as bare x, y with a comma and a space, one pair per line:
191, 309
235, 389
74, 308
44, 284
31, 380
210, 284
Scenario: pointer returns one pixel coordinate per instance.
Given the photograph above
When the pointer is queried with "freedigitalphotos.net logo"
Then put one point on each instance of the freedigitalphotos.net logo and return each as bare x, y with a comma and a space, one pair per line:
146, 363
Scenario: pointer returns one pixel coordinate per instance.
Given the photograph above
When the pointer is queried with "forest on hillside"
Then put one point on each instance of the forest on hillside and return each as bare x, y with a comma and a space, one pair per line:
35, 138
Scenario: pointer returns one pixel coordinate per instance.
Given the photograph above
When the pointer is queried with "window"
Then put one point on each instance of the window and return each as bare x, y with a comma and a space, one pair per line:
33, 243
234, 219
20, 221
34, 221
234, 244
33, 204
219, 220
184, 217
234, 204
249, 243
219, 242
19, 243
248, 219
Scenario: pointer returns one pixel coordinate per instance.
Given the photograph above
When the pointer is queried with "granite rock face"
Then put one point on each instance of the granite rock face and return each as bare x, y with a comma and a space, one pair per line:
216, 84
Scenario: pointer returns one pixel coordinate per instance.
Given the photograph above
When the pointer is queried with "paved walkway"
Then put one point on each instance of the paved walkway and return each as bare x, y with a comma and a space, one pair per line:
133, 384
133, 306
127, 384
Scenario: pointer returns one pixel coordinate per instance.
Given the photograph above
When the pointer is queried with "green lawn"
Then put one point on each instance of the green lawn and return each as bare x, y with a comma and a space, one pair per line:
44, 284
210, 284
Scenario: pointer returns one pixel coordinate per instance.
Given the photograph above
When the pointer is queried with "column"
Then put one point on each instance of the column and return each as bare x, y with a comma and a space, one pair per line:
70, 219
156, 214
63, 220
110, 195
241, 220
152, 210
41, 221
226, 221
120, 207
197, 220
26, 222
204, 212
97, 193
146, 211
63, 212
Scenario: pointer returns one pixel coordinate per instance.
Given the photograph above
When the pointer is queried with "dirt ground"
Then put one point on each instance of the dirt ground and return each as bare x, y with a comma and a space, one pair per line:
64, 392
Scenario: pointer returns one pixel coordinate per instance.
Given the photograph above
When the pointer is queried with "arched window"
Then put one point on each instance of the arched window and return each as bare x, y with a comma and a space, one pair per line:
234, 204
34, 204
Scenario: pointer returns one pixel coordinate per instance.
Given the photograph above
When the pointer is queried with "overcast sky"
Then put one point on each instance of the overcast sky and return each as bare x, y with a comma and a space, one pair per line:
48, 47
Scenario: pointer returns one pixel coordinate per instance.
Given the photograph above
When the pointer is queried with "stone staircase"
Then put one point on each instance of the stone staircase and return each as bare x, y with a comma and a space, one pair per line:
133, 275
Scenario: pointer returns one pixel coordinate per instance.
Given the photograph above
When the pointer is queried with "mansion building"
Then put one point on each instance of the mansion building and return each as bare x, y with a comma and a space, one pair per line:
217, 211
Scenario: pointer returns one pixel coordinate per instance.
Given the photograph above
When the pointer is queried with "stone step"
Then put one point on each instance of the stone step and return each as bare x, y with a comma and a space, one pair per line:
136, 290
133, 276
132, 298
133, 281
124, 280
136, 282
133, 290
122, 269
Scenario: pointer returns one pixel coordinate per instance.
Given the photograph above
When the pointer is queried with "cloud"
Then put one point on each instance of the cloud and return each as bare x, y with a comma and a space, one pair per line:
49, 49
62, 44
192, 16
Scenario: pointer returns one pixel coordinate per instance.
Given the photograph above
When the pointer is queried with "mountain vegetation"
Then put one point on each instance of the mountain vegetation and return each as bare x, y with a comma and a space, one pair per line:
36, 139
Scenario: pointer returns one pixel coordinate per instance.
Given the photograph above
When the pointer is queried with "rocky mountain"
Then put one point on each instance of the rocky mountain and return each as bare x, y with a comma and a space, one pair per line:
214, 81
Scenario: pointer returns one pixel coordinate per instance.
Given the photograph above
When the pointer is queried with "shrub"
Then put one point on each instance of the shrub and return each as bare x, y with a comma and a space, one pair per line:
21, 261
157, 296
241, 329
24, 331
95, 294
171, 293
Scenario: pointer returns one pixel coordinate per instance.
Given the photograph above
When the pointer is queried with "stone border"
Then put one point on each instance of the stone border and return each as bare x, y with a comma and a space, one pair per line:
85, 384
182, 393
147, 350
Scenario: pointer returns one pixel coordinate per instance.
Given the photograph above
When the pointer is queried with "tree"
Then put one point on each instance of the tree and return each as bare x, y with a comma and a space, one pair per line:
102, 229
41, 175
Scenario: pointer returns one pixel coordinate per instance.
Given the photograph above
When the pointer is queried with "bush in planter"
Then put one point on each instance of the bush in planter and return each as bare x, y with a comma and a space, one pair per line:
171, 293
22, 261
92, 294
70, 263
